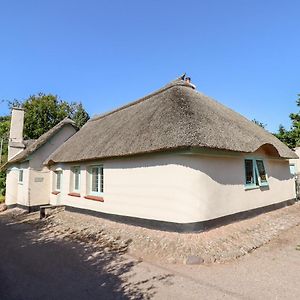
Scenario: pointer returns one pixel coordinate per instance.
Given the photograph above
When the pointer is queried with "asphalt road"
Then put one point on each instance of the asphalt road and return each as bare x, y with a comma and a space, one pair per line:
37, 268
32, 269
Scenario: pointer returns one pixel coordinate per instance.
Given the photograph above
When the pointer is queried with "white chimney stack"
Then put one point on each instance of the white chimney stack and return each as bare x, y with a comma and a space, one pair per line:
16, 144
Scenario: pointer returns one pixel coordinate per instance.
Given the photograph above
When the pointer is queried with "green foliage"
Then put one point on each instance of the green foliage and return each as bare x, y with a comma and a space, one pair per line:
4, 132
291, 137
42, 112
2, 183
78, 114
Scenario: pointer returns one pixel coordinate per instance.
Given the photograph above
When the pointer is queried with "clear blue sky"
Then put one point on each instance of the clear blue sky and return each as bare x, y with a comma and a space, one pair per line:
244, 53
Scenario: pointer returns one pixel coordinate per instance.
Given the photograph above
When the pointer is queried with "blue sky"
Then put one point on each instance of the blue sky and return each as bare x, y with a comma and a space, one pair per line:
245, 54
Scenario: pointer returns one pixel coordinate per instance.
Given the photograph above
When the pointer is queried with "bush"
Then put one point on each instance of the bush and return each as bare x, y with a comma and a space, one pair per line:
2, 183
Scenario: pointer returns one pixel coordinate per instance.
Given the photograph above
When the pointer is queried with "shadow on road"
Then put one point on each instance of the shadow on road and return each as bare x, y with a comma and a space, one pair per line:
34, 266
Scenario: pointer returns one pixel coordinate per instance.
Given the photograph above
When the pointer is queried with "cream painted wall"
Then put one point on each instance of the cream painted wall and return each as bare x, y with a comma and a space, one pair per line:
35, 189
17, 192
11, 184
39, 174
39, 156
296, 162
178, 188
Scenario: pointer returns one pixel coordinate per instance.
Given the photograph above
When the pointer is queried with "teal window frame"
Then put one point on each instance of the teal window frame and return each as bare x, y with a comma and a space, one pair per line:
76, 171
257, 180
99, 182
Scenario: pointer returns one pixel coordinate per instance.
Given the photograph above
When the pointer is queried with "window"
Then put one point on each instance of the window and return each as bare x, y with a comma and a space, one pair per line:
293, 169
58, 177
249, 171
96, 180
21, 175
76, 179
255, 173
262, 176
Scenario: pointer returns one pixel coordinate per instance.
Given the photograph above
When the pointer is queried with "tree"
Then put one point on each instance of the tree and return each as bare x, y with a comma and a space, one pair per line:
42, 112
79, 114
4, 132
291, 137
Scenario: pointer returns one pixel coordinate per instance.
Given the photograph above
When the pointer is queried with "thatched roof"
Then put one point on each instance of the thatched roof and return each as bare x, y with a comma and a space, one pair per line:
176, 116
32, 145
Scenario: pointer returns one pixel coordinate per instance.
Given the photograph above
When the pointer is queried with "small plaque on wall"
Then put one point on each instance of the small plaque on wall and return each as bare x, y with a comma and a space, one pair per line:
38, 179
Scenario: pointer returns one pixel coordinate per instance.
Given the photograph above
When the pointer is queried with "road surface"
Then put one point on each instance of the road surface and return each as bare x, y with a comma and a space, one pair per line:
37, 268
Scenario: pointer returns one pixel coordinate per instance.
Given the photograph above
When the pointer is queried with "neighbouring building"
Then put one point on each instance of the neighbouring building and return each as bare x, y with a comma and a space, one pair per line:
175, 160
295, 163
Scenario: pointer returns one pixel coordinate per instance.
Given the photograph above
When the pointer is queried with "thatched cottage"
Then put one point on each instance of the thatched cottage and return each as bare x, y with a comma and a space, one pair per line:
175, 159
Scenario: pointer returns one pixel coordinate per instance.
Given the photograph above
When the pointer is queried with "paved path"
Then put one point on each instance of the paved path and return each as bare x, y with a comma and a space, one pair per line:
34, 268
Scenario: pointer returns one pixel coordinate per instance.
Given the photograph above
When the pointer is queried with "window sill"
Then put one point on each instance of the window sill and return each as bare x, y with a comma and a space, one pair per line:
251, 187
55, 192
74, 194
94, 198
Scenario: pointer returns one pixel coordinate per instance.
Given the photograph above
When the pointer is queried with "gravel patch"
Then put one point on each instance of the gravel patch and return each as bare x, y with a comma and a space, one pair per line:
3, 207
217, 245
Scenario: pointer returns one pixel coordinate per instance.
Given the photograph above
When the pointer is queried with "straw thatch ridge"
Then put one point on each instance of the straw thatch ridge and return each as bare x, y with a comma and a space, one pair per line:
33, 145
174, 117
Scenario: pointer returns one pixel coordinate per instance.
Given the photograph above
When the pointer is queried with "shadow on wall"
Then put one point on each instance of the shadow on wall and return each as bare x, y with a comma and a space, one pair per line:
224, 170
280, 170
57, 268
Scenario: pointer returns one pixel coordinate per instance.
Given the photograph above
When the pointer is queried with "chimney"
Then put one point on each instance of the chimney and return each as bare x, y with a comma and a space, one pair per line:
15, 144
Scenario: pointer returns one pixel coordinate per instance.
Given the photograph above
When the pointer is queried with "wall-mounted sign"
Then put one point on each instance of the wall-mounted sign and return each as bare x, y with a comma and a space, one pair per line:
38, 179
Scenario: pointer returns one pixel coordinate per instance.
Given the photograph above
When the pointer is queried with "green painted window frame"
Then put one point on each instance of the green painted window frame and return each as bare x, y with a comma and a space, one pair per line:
21, 176
257, 180
76, 171
99, 182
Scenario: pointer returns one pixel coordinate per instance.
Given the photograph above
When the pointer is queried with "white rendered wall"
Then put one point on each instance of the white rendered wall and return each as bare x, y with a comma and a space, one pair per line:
296, 162
11, 185
178, 188
39, 174
35, 189
17, 192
